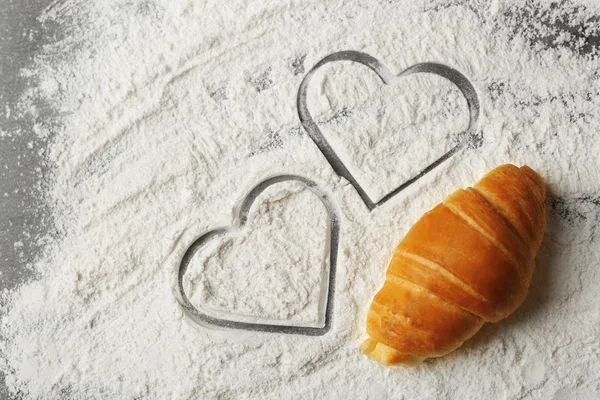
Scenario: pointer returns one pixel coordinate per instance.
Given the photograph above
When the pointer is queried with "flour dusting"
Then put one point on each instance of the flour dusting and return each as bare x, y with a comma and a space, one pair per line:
166, 114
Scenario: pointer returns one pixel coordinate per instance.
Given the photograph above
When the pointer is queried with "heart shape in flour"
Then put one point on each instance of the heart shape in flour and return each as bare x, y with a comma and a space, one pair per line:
388, 78
203, 315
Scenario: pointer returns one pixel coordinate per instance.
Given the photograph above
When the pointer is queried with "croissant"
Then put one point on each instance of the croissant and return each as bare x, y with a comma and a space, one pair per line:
466, 262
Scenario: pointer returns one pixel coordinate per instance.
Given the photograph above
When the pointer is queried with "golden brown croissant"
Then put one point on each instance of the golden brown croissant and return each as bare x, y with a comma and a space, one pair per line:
466, 262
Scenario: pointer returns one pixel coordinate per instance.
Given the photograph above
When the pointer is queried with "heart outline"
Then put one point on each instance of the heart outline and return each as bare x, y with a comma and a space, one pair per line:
326, 296
388, 78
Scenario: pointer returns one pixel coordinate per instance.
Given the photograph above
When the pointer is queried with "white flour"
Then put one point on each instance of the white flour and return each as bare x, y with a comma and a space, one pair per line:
172, 111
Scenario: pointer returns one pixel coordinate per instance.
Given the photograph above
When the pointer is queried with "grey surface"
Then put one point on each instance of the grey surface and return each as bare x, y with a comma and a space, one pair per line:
22, 216
23, 220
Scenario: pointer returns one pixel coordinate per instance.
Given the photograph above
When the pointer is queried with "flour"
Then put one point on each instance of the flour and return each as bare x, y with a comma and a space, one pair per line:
168, 113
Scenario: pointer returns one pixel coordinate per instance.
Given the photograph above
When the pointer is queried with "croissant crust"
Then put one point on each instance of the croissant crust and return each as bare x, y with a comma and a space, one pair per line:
467, 261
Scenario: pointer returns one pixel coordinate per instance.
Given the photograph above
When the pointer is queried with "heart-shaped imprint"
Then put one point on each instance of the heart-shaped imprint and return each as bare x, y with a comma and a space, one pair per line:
206, 314
311, 127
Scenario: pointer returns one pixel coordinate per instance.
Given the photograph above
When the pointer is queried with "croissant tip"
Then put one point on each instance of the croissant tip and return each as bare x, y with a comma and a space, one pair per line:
388, 356
532, 176
535, 178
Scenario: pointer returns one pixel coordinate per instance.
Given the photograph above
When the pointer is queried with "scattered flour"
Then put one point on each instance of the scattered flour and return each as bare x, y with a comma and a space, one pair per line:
168, 113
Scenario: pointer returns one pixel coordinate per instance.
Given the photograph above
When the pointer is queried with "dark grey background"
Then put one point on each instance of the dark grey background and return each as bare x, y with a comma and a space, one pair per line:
23, 218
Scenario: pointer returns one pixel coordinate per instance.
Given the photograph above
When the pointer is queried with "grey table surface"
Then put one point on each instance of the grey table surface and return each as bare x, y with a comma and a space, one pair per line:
23, 216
